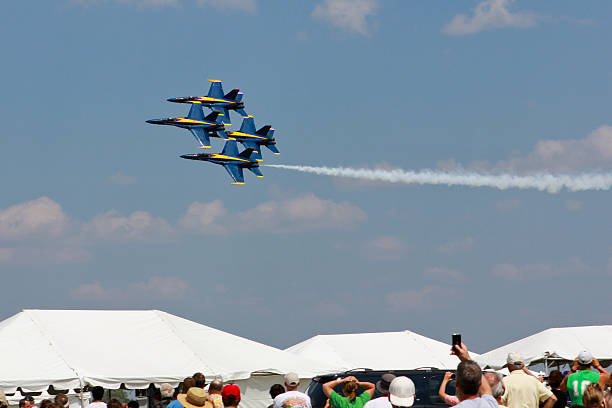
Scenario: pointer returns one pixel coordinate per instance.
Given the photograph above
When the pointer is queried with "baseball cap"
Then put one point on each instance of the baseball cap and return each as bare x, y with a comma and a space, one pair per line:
29, 398
383, 384
231, 389
514, 359
292, 379
585, 357
401, 392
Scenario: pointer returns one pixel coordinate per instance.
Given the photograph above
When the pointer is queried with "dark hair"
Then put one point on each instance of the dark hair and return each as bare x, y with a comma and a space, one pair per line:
133, 404
469, 377
187, 384
22, 402
276, 389
97, 393
555, 378
200, 380
349, 389
44, 403
61, 399
114, 403
230, 400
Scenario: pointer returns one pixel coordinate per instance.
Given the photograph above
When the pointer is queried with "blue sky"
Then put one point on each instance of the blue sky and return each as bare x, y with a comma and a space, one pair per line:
98, 210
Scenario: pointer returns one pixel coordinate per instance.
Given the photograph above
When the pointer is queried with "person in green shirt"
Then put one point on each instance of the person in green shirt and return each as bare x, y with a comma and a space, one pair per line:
349, 389
581, 376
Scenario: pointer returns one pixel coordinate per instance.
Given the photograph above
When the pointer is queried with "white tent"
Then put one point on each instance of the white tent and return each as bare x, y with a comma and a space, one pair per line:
378, 351
556, 345
69, 348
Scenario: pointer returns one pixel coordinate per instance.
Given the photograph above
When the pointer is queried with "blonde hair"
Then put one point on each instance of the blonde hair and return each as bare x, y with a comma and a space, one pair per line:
593, 396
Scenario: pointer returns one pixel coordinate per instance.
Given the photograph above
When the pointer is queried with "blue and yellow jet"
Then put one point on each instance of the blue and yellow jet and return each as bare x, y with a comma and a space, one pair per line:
201, 127
216, 100
231, 160
249, 137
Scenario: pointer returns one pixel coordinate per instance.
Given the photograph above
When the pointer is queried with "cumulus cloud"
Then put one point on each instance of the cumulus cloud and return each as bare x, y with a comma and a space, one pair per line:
139, 225
428, 296
386, 247
489, 15
348, 14
155, 287
38, 218
205, 218
510, 272
460, 245
441, 273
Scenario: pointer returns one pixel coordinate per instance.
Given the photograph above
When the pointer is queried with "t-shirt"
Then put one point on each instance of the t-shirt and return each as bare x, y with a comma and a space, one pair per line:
175, 404
524, 390
338, 401
561, 401
451, 400
380, 402
292, 399
577, 383
486, 401
97, 404
217, 400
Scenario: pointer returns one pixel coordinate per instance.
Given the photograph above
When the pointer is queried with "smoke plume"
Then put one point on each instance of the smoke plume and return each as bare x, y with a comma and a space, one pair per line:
552, 183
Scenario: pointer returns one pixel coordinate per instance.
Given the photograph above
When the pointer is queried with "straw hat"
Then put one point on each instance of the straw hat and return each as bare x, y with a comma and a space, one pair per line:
195, 398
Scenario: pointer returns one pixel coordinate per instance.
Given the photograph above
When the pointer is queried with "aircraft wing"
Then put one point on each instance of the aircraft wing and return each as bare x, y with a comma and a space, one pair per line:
201, 136
235, 172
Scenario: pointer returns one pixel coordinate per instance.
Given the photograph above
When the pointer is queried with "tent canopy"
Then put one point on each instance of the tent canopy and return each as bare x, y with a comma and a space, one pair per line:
68, 348
556, 344
377, 351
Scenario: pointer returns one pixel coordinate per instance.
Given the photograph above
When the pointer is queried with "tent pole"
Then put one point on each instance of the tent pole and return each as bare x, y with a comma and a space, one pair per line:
81, 394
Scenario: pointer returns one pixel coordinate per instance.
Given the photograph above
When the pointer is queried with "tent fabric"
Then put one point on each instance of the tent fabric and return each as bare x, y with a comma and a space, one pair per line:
67, 348
402, 350
555, 344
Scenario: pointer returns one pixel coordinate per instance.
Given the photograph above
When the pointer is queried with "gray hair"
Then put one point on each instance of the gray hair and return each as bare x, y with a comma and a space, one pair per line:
495, 381
166, 390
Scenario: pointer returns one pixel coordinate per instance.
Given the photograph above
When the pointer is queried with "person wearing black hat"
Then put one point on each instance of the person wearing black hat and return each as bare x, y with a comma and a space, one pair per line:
382, 386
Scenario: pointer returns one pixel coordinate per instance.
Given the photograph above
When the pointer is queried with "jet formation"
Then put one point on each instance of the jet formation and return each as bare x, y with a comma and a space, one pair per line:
214, 125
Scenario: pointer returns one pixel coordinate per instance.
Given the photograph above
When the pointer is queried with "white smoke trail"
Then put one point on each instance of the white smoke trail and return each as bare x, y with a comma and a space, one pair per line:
552, 183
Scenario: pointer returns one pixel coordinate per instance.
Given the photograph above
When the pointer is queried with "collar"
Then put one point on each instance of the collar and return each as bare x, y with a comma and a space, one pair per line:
518, 372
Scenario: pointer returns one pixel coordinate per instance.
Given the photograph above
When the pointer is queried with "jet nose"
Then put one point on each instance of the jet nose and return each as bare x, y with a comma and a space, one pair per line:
153, 121
177, 100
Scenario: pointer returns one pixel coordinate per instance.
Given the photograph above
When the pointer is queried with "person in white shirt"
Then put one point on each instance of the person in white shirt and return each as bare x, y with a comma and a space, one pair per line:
292, 398
382, 386
97, 393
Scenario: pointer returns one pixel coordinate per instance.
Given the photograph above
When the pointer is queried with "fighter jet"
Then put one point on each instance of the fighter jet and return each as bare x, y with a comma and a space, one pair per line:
249, 137
216, 100
201, 127
233, 162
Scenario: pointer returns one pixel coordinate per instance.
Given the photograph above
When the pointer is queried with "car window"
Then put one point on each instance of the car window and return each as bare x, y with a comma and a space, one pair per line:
434, 386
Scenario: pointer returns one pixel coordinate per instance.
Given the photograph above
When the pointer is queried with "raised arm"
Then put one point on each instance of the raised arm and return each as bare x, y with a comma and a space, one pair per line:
367, 387
464, 355
563, 386
442, 391
599, 367
329, 386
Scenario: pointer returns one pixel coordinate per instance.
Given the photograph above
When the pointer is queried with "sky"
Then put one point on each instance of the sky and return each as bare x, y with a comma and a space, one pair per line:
98, 211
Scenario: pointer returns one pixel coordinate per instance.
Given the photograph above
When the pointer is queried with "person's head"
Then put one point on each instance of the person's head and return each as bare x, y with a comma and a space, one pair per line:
61, 399
166, 390
23, 403
133, 404
401, 392
215, 387
496, 384
593, 396
195, 397
44, 403
382, 386
514, 361
3, 400
555, 378
349, 389
187, 384
200, 380
114, 403
469, 377
585, 358
97, 393
29, 400
231, 395
55, 405
292, 381
276, 389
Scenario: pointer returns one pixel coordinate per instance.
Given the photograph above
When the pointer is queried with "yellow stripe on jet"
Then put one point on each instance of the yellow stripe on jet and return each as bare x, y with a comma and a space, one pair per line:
222, 156
238, 184
193, 121
250, 136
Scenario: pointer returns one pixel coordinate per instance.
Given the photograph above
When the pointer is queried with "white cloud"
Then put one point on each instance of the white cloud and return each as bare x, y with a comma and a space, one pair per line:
205, 217
155, 287
428, 296
460, 245
386, 247
249, 6
121, 179
573, 266
140, 226
42, 217
349, 14
441, 273
489, 15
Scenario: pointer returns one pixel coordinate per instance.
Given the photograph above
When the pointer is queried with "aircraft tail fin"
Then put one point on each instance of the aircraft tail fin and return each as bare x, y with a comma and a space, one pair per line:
239, 97
215, 116
242, 112
196, 112
230, 148
216, 89
256, 171
272, 147
256, 155
246, 154
267, 131
201, 136
248, 125
225, 118
232, 95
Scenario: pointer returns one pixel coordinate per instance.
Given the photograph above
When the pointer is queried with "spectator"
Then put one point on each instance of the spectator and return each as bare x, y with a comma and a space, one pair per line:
292, 398
214, 393
231, 396
349, 389
593, 397
3, 400
166, 391
451, 400
30, 401
200, 380
97, 393
195, 397
62, 399
555, 378
523, 390
23, 403
581, 375
401, 392
495, 381
473, 389
133, 404
188, 383
382, 386
275, 390
45, 403
114, 403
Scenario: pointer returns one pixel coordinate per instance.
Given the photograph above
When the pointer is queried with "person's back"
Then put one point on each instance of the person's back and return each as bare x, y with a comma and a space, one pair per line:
97, 393
577, 383
522, 389
292, 398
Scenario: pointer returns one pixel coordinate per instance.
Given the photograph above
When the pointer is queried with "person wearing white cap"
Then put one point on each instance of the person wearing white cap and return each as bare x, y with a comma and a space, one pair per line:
581, 376
292, 398
401, 392
523, 390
